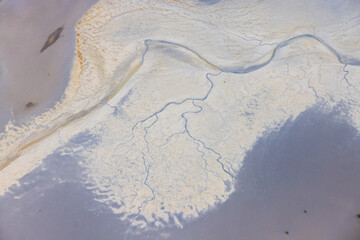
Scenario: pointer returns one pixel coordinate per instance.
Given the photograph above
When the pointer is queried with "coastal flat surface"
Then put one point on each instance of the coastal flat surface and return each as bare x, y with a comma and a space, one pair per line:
180, 120
293, 170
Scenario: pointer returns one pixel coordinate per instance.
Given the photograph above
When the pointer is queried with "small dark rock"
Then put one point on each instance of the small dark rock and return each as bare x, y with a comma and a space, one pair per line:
30, 105
52, 38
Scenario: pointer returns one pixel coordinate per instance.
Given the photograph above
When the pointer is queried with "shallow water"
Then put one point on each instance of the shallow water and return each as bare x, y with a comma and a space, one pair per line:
26, 74
311, 164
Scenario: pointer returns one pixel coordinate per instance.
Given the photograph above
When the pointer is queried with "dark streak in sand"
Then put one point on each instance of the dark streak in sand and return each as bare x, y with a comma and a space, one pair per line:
52, 38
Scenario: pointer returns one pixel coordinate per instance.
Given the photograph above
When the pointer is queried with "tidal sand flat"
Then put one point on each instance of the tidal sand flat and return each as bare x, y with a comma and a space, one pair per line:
292, 170
174, 95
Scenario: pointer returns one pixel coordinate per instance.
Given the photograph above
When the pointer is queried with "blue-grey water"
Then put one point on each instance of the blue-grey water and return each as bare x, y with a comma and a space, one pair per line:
312, 164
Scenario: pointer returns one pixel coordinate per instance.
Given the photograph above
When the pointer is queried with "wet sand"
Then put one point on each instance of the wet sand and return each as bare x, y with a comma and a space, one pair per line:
311, 164
302, 180
31, 81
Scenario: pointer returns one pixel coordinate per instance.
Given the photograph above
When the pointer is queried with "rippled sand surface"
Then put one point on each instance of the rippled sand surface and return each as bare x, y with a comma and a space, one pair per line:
166, 97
